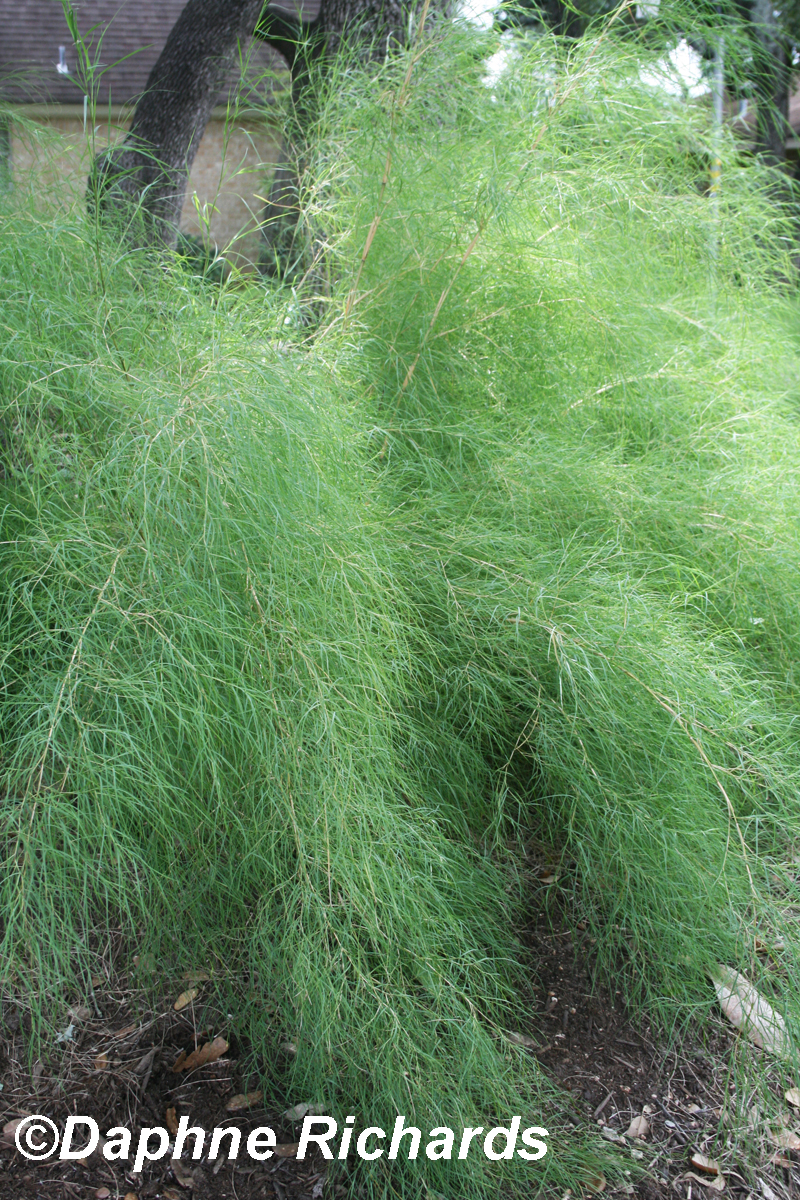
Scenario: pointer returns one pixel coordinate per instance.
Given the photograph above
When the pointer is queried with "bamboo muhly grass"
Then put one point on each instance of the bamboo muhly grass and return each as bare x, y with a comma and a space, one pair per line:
303, 639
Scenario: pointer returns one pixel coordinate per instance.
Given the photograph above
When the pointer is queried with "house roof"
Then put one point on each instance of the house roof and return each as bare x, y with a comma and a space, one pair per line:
125, 36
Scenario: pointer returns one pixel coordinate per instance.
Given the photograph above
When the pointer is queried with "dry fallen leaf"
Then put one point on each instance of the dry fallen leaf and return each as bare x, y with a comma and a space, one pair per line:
701, 1162
762, 947
196, 976
786, 1139
793, 1097
102, 1194
610, 1134
297, 1113
287, 1150
185, 999
171, 1194
716, 1182
145, 1064
522, 1039
9, 1129
301, 1110
207, 1053
236, 1103
101, 1062
185, 1180
597, 1183
747, 1010
121, 1033
171, 1121
288, 1048
780, 1160
130, 1196
638, 1128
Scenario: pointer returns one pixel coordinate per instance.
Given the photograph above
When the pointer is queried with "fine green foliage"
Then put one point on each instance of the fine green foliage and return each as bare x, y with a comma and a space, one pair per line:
305, 638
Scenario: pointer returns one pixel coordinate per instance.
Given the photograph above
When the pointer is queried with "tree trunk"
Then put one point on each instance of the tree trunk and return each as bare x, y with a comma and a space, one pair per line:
772, 81
146, 176
143, 181
280, 257
381, 25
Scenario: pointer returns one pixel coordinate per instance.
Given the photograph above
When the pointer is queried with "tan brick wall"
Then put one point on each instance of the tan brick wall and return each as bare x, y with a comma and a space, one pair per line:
228, 186
51, 154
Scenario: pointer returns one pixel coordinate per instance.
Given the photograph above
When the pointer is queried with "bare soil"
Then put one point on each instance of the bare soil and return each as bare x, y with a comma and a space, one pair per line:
116, 1066
614, 1069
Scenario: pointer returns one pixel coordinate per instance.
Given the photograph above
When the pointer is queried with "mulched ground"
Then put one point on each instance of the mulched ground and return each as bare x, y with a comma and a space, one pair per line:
615, 1070
117, 1066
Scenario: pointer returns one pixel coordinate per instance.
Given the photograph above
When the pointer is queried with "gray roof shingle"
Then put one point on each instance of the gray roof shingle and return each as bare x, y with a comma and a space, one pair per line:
124, 36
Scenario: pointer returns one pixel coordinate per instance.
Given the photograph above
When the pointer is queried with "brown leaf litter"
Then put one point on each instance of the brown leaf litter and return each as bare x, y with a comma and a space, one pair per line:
667, 1115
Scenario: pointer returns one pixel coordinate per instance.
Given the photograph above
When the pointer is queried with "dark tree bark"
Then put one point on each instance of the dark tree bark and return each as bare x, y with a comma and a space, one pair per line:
772, 82
147, 174
280, 257
145, 178
381, 25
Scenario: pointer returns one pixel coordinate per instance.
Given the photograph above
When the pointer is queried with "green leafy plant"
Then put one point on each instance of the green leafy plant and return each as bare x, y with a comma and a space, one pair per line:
304, 639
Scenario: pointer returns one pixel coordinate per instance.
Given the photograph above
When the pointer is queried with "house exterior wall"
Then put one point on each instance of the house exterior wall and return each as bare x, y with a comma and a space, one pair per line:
51, 153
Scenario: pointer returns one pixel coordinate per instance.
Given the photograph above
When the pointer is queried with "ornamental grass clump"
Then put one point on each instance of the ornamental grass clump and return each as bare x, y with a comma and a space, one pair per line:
582, 381
308, 632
